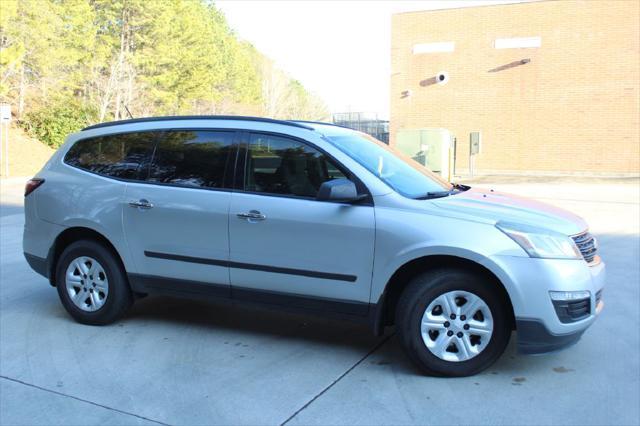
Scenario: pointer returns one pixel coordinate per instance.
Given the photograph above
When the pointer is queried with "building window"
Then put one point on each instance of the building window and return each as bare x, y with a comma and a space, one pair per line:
443, 46
518, 42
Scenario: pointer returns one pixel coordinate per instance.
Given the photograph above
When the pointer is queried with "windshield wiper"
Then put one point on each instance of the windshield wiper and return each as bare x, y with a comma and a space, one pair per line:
455, 188
435, 194
461, 187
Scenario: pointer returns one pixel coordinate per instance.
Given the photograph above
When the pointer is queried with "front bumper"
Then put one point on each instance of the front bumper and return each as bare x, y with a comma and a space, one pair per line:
529, 282
534, 338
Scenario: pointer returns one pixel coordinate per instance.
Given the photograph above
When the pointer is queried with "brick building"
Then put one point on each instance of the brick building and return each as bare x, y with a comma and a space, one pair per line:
553, 86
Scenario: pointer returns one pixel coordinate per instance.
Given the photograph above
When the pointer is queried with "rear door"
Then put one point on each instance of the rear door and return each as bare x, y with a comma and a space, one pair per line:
176, 221
285, 243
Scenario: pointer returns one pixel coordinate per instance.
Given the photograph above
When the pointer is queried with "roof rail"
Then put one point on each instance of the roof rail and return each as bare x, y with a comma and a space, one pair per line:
198, 117
320, 122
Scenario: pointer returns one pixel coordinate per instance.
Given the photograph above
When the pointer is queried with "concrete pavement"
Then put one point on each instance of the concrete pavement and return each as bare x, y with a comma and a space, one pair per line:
174, 361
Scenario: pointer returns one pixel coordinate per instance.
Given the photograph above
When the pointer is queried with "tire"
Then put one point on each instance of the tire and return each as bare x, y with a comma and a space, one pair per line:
428, 290
112, 297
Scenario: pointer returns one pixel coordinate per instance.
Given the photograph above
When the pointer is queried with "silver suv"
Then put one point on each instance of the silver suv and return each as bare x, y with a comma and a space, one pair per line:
311, 217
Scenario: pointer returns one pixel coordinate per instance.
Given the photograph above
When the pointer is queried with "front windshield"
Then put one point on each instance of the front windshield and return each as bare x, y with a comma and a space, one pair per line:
405, 175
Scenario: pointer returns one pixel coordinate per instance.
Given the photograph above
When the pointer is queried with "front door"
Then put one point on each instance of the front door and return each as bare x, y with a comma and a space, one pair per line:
176, 221
285, 243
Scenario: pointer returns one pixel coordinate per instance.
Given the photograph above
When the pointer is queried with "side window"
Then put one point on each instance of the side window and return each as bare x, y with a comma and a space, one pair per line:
192, 158
121, 155
279, 165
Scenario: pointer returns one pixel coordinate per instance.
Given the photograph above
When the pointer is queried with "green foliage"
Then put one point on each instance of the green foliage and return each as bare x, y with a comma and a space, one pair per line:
66, 62
52, 123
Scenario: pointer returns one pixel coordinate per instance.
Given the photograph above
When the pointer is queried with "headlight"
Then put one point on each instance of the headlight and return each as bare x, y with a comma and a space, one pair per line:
541, 243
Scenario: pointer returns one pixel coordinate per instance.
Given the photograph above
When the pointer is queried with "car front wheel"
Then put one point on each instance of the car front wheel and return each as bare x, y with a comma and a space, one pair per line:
452, 323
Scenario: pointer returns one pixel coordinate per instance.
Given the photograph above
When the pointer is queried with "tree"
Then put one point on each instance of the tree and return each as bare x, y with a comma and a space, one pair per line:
94, 59
37, 64
283, 97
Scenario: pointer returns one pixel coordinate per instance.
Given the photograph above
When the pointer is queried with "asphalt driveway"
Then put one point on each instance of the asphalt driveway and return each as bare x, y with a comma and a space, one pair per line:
173, 361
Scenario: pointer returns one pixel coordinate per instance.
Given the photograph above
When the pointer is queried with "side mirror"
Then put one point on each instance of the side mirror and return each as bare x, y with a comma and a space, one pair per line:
339, 190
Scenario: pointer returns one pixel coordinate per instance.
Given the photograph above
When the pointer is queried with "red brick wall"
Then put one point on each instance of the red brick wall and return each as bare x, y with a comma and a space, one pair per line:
574, 108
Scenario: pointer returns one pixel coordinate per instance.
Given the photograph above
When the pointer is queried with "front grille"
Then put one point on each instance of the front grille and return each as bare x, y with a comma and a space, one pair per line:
572, 311
587, 245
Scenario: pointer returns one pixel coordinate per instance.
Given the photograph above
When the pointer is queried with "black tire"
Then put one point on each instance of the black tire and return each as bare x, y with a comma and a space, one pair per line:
425, 288
119, 298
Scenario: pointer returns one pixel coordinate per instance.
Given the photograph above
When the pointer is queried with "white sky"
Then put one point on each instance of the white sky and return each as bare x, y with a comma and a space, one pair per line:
338, 49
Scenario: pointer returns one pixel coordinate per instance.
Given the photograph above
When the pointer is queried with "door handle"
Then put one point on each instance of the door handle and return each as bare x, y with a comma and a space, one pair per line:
141, 204
252, 215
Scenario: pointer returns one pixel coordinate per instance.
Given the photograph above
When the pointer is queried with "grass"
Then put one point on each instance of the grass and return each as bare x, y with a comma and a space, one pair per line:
26, 155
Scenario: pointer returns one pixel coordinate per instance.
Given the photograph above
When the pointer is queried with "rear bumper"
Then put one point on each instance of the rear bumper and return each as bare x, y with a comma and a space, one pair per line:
38, 264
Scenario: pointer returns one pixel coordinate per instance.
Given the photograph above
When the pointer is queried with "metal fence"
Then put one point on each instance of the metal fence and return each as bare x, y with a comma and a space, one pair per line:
364, 122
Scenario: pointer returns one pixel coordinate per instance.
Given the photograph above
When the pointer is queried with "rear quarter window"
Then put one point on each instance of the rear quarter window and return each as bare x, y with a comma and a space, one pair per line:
121, 156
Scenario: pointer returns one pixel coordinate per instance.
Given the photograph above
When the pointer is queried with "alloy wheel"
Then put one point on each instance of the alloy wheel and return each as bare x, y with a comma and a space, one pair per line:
457, 326
87, 284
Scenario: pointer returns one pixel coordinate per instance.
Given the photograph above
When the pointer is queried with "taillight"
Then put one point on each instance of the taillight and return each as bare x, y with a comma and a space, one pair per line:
31, 185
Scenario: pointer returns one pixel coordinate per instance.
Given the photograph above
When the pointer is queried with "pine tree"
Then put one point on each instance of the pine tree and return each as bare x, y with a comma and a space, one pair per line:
64, 63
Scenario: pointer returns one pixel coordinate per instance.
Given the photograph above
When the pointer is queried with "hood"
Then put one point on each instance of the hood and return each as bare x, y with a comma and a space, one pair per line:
498, 206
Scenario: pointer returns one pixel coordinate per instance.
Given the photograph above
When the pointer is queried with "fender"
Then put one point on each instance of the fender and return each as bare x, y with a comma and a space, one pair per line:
117, 241
417, 251
421, 252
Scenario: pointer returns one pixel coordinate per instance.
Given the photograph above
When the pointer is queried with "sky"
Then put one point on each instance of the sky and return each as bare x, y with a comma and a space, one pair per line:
338, 49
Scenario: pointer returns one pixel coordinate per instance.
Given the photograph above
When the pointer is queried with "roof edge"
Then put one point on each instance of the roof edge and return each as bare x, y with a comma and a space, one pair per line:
443, 9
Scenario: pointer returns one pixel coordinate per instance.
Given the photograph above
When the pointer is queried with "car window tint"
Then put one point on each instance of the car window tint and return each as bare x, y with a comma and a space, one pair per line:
120, 155
279, 165
192, 158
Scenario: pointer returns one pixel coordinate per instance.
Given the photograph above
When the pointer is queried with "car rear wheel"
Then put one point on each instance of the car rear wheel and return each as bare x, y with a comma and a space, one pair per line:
452, 323
91, 283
